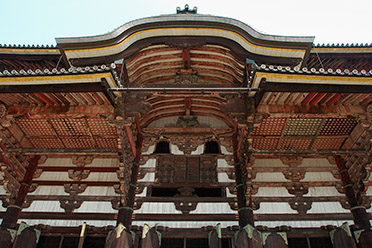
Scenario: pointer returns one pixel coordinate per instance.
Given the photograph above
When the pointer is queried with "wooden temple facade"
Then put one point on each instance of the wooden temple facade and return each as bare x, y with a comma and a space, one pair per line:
191, 129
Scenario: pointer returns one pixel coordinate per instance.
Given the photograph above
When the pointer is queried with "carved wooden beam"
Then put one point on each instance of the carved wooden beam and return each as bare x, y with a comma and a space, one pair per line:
359, 212
128, 132
13, 210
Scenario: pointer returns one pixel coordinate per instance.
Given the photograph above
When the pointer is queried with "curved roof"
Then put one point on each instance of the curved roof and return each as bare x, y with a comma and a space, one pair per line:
186, 30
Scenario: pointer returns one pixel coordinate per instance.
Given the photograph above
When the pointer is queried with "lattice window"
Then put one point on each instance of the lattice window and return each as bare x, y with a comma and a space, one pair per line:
70, 127
337, 126
81, 142
270, 127
302, 127
265, 143
101, 127
46, 143
35, 127
295, 144
186, 169
328, 143
106, 142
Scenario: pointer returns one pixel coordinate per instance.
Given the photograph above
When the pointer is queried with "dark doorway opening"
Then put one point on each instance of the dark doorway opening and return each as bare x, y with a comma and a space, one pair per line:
211, 147
162, 147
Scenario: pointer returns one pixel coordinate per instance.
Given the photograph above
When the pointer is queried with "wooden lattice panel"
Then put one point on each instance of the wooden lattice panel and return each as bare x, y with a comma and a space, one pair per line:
302, 126
295, 143
101, 127
265, 143
81, 142
70, 127
270, 127
35, 127
337, 126
328, 143
46, 143
106, 142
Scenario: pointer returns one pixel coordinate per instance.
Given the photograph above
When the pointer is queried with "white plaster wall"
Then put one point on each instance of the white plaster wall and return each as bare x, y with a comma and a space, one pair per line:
157, 208
2, 190
319, 177
315, 224
44, 206
223, 178
57, 162
327, 207
186, 224
215, 208
323, 191
174, 150
270, 177
151, 163
199, 150
149, 151
224, 151
102, 176
143, 194
54, 176
104, 162
92, 207
272, 192
268, 163
275, 208
149, 177
221, 163
64, 223
99, 191
49, 190
315, 162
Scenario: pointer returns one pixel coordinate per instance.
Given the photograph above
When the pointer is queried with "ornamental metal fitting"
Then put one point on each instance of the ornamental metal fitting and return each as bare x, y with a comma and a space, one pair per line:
187, 10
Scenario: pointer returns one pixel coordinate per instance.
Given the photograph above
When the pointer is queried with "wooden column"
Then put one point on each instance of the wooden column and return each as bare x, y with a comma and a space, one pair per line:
13, 210
245, 212
126, 212
360, 215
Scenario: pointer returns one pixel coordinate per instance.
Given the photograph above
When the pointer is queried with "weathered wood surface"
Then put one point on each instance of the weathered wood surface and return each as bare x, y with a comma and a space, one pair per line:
5, 238
274, 240
214, 237
119, 238
343, 239
27, 238
248, 238
365, 239
150, 238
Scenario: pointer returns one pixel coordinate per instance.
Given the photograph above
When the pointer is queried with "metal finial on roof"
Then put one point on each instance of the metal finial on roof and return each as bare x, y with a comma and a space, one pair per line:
187, 10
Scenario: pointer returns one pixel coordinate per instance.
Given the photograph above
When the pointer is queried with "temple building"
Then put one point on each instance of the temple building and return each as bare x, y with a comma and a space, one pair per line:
182, 131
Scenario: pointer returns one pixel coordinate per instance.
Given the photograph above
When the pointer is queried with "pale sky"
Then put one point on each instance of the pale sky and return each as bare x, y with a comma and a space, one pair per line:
41, 21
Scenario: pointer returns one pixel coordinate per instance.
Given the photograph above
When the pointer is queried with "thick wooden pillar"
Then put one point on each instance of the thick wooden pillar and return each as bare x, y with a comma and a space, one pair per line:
245, 212
13, 210
360, 215
247, 236
126, 212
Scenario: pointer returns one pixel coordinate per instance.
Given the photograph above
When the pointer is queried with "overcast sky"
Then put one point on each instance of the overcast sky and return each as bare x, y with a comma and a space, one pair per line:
41, 21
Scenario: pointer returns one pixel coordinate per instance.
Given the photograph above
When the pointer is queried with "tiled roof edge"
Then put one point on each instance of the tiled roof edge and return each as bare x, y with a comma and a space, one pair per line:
28, 46
62, 71
314, 71
341, 45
